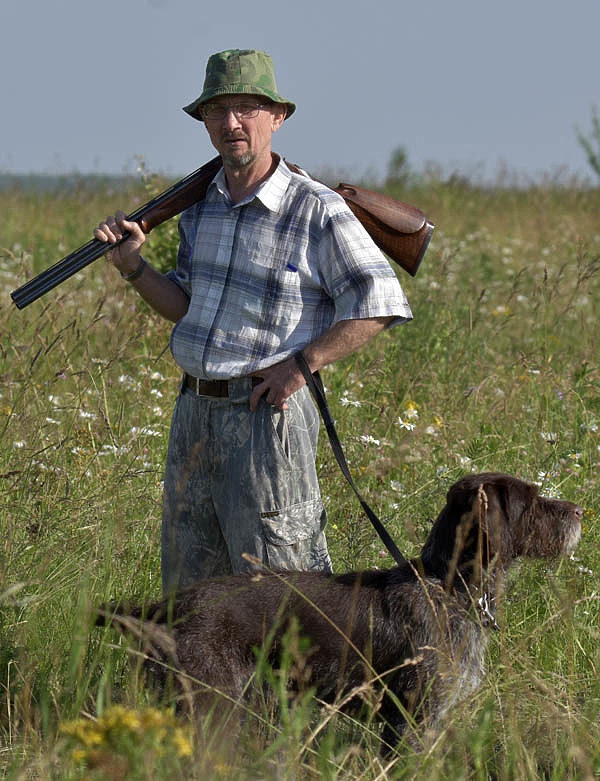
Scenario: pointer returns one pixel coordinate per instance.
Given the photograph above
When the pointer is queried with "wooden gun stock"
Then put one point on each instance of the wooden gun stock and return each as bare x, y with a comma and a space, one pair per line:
399, 230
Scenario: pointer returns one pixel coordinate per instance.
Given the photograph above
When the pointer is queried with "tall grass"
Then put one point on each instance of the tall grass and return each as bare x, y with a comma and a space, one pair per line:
498, 371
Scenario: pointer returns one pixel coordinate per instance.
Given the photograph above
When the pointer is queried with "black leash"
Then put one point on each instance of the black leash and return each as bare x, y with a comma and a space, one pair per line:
315, 385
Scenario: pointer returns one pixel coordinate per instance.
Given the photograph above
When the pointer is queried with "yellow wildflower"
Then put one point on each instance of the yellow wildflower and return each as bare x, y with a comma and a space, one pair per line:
153, 717
411, 410
150, 729
87, 732
118, 718
130, 720
182, 743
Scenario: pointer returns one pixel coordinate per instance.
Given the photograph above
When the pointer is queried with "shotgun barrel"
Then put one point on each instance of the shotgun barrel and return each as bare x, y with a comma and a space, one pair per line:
401, 231
59, 272
172, 201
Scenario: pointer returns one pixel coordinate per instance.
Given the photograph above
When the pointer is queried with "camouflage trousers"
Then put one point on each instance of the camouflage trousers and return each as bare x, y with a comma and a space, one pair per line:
241, 482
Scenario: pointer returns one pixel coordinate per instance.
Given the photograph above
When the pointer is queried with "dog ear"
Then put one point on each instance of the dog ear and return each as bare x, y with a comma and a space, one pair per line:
480, 532
491, 513
453, 542
509, 501
470, 530
470, 542
520, 496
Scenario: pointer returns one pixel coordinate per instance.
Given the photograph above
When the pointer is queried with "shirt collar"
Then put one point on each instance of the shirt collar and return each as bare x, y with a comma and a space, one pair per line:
270, 193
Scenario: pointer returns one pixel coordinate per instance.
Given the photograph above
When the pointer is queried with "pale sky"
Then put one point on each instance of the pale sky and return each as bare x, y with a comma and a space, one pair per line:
87, 85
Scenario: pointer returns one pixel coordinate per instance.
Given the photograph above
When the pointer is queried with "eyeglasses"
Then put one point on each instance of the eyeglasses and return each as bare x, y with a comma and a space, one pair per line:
219, 111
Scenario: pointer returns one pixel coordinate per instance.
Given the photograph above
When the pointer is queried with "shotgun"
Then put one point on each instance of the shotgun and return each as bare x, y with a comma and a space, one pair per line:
401, 231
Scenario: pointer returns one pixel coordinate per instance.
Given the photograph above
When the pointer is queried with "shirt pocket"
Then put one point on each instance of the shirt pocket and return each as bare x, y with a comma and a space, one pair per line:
281, 256
260, 252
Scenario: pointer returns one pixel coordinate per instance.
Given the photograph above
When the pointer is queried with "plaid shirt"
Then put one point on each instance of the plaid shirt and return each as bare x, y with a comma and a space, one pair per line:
270, 274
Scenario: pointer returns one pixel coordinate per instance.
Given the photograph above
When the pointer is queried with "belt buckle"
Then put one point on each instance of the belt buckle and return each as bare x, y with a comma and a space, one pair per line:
191, 382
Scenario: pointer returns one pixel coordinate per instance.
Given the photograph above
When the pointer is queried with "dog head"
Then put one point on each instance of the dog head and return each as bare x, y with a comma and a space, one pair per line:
491, 519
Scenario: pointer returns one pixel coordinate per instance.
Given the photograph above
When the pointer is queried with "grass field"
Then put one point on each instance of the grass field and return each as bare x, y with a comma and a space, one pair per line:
498, 371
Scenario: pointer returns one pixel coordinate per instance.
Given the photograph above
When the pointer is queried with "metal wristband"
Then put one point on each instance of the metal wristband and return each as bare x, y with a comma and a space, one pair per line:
136, 273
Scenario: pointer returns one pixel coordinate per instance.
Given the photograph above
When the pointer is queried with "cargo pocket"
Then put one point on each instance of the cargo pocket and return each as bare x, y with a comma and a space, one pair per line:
290, 534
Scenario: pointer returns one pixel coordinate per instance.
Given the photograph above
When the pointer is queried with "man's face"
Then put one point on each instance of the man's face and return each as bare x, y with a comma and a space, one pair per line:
238, 136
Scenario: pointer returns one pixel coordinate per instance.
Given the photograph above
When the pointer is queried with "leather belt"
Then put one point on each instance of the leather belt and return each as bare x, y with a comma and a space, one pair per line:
217, 388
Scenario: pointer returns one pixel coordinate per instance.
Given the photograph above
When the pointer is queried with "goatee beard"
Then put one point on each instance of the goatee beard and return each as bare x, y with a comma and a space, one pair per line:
238, 162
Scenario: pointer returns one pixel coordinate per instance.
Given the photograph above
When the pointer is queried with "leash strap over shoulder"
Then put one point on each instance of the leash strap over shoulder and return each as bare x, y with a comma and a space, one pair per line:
315, 385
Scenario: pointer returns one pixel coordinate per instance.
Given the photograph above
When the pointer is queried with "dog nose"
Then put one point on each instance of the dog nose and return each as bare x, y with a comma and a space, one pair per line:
578, 511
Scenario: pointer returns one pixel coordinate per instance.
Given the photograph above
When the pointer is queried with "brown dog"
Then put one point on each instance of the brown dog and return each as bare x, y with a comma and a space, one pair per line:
417, 633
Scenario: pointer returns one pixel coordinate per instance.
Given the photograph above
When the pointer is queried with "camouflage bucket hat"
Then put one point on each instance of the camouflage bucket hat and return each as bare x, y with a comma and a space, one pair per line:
239, 72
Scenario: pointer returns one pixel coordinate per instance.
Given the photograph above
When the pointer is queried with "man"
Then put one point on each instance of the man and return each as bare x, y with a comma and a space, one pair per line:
270, 263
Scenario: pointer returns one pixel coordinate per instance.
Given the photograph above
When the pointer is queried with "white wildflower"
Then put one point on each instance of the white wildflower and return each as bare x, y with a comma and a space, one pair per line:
549, 436
129, 382
368, 439
405, 424
144, 430
552, 492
